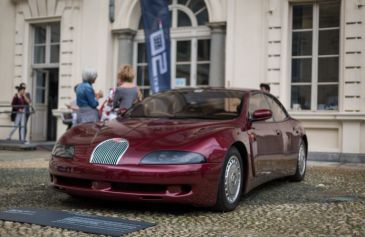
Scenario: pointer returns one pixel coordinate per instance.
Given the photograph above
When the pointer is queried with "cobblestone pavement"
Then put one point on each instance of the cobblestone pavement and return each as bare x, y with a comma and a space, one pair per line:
330, 202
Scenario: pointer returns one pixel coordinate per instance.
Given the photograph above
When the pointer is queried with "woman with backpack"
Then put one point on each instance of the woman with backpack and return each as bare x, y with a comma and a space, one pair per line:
18, 112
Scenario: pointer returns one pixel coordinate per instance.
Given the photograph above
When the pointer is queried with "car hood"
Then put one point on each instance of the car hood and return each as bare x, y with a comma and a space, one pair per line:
145, 133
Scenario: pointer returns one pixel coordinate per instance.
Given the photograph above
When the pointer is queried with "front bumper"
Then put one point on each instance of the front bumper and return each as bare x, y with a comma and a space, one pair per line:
195, 184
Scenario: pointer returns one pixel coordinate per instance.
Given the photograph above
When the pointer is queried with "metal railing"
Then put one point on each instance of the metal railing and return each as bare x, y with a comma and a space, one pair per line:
10, 112
19, 126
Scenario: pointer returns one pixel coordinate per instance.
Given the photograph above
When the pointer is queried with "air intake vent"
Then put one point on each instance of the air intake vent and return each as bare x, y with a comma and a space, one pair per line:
109, 152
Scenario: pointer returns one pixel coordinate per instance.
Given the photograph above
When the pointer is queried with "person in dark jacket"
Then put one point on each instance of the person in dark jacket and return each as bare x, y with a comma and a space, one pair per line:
27, 109
18, 111
265, 87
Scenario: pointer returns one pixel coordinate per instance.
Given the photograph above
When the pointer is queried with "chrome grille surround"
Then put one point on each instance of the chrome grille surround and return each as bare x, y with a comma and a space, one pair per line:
109, 152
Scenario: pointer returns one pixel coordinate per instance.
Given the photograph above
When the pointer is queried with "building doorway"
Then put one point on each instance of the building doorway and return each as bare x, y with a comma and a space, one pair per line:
45, 64
45, 99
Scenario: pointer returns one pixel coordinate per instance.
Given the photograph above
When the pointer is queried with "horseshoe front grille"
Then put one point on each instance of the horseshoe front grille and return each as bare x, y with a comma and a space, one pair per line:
109, 152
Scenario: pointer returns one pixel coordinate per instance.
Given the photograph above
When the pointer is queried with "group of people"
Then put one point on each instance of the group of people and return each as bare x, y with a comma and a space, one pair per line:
121, 98
85, 107
21, 110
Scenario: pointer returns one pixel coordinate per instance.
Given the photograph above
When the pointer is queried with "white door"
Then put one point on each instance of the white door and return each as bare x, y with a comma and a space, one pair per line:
40, 104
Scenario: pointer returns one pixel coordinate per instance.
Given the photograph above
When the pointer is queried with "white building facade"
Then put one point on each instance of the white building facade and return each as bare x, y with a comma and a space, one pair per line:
311, 52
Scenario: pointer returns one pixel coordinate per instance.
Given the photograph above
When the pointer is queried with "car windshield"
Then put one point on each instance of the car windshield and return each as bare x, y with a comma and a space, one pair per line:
196, 104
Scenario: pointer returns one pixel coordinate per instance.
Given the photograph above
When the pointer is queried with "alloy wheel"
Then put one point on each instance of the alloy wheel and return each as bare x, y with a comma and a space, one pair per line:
301, 160
232, 179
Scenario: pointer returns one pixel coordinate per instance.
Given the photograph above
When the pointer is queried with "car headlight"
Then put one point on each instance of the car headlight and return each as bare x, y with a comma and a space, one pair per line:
64, 151
173, 158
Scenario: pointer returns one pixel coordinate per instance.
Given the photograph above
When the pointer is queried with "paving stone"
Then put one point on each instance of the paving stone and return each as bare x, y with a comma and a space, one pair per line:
329, 202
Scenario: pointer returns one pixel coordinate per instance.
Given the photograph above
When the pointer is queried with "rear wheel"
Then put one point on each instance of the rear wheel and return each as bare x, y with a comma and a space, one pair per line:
230, 186
301, 163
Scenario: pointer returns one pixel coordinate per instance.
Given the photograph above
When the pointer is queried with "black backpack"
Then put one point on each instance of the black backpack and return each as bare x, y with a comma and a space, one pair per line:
13, 115
13, 111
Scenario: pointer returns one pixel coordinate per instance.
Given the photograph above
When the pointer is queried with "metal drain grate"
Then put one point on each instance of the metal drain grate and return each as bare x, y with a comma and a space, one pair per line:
343, 199
109, 152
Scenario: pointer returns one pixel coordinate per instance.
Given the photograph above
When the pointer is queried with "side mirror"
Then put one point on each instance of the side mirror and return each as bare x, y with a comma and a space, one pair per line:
261, 115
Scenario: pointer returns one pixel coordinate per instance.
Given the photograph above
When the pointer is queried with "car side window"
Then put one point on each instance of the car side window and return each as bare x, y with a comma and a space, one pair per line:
257, 101
277, 110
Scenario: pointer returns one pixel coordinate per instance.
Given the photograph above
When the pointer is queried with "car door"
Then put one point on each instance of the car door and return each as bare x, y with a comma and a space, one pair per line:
285, 161
266, 140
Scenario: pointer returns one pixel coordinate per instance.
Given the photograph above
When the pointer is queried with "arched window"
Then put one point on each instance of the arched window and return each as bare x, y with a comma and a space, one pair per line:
190, 46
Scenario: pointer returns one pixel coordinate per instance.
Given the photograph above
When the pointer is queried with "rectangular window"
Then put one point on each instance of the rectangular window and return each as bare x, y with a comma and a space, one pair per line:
142, 70
40, 92
46, 43
40, 33
183, 63
203, 62
315, 55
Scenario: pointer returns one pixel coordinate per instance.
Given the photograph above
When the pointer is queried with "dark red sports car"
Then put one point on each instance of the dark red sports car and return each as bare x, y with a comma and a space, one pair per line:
203, 147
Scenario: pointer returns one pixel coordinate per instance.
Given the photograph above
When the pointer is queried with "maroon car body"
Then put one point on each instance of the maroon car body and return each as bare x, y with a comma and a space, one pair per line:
265, 149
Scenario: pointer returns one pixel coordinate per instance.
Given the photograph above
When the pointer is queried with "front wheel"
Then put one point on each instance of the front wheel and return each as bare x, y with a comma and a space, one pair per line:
301, 163
230, 185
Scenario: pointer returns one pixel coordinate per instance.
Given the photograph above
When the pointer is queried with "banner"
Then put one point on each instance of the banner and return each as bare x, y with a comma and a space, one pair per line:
156, 21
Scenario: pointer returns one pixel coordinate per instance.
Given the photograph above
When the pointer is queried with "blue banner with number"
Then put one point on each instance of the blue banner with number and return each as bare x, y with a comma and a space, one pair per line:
156, 22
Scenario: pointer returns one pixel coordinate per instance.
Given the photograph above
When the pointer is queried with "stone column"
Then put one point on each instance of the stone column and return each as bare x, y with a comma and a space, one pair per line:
125, 43
217, 54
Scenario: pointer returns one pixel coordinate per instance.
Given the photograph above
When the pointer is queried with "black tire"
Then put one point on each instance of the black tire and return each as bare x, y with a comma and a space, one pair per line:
300, 170
227, 201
